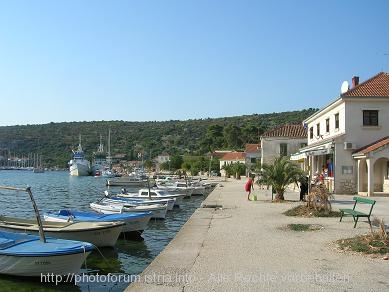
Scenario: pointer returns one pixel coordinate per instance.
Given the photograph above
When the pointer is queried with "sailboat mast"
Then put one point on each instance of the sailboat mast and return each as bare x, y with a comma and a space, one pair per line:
109, 148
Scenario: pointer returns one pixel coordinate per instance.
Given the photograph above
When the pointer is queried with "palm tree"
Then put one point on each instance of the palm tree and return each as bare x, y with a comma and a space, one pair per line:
280, 174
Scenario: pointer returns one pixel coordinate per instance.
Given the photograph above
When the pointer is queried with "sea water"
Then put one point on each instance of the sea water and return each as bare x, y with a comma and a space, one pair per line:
106, 269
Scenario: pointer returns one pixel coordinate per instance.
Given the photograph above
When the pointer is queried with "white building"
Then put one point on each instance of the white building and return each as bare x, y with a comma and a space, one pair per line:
230, 158
346, 139
253, 155
282, 141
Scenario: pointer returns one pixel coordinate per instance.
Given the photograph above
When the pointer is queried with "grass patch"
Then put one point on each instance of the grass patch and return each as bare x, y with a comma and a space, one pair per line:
304, 227
369, 244
305, 211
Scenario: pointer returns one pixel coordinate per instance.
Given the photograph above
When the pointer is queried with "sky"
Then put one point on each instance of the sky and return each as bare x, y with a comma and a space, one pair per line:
161, 60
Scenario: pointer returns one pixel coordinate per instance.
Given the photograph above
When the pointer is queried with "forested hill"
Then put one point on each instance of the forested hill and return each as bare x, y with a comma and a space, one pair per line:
55, 141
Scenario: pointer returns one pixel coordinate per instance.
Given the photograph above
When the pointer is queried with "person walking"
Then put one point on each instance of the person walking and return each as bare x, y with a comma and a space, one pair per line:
303, 188
249, 186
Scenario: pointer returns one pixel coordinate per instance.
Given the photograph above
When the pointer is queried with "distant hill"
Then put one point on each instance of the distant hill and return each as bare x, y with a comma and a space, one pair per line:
54, 141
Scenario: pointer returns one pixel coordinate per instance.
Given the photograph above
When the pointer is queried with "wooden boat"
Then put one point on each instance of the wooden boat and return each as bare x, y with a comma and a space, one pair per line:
153, 194
97, 233
134, 222
158, 210
128, 181
135, 201
31, 255
26, 255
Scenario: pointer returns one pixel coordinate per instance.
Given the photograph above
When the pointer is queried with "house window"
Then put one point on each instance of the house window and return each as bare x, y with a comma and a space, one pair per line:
283, 149
311, 133
336, 121
327, 125
253, 160
318, 130
347, 169
302, 145
370, 118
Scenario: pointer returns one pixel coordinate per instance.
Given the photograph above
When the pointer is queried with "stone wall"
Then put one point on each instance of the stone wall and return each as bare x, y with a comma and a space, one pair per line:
347, 186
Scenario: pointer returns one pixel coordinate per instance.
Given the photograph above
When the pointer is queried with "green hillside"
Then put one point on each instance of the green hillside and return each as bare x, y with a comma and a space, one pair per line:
54, 141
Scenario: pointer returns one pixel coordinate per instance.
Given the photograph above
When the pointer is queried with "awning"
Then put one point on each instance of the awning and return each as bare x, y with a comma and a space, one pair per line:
298, 156
322, 149
319, 152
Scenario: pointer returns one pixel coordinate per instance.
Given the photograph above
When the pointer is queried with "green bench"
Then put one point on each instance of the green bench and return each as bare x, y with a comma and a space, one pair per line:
355, 213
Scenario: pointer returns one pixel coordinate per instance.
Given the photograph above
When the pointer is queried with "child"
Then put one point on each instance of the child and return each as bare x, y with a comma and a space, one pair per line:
248, 187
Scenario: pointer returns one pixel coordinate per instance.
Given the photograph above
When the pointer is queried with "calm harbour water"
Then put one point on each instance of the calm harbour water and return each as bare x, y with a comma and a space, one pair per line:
54, 190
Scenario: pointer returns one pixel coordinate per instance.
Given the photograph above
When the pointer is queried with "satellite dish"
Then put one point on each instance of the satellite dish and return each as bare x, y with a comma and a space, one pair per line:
344, 88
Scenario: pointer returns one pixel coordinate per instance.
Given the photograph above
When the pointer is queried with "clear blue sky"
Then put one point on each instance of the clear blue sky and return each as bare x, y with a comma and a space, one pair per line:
63, 61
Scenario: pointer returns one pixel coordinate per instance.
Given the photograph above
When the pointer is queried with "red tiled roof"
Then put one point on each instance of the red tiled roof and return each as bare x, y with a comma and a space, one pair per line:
289, 131
253, 147
219, 154
377, 85
372, 147
234, 156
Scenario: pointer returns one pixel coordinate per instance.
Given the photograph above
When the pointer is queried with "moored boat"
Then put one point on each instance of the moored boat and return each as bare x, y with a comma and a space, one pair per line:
153, 194
99, 160
79, 165
128, 181
140, 201
158, 210
134, 222
23, 254
97, 233
28, 255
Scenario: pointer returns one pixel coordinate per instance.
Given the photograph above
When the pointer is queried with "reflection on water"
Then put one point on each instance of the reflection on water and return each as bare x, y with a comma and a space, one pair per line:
54, 190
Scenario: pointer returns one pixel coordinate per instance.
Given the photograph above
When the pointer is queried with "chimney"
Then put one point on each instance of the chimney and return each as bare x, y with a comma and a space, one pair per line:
355, 81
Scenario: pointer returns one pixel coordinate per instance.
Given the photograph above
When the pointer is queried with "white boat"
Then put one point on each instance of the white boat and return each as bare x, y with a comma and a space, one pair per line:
27, 255
176, 187
153, 194
22, 254
158, 210
107, 173
127, 202
134, 222
97, 233
198, 188
79, 165
128, 181
99, 160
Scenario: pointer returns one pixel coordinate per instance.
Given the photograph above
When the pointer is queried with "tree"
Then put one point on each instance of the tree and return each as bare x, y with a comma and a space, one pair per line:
239, 169
232, 136
213, 138
176, 162
280, 174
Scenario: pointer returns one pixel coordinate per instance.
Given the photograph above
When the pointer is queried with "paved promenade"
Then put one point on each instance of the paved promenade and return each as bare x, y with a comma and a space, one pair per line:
232, 244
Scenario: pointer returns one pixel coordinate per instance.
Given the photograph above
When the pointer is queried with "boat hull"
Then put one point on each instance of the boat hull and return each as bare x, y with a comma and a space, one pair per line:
141, 201
30, 255
155, 195
79, 169
127, 182
158, 211
34, 266
98, 233
133, 223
